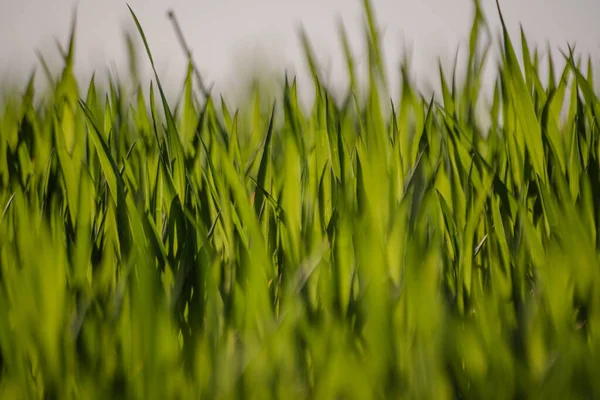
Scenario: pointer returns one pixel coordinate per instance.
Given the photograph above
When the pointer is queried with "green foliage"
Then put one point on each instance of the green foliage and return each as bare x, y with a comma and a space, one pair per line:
347, 252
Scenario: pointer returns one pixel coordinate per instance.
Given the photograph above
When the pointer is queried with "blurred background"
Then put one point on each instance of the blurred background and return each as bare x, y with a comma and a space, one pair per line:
232, 40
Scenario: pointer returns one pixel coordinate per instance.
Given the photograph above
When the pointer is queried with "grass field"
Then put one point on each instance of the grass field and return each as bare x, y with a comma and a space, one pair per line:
364, 248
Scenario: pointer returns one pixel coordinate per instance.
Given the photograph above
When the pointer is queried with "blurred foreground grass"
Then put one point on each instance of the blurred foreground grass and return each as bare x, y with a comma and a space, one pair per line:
151, 250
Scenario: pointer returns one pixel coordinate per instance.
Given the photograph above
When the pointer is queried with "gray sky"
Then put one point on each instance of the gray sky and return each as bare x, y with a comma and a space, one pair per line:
227, 37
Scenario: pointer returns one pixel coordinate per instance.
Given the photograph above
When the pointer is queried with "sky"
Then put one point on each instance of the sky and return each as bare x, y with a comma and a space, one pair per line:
231, 38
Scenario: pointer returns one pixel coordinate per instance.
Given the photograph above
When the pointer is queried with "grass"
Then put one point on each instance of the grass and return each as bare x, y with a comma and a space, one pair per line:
363, 248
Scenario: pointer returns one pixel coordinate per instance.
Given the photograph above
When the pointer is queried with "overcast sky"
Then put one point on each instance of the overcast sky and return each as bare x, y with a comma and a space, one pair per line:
229, 36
